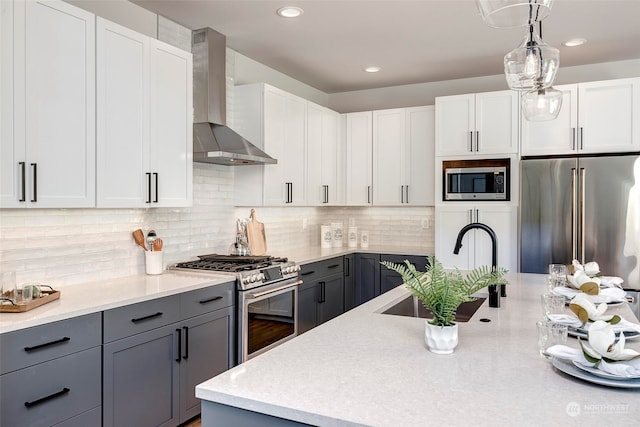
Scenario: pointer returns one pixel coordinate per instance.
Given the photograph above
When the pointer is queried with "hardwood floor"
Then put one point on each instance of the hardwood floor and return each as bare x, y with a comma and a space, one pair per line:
195, 422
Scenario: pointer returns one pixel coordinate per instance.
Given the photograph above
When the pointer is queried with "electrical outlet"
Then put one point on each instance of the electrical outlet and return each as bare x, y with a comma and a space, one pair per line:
426, 224
304, 223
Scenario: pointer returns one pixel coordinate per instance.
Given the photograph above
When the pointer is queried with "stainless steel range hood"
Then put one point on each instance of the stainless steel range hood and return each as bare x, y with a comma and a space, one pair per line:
213, 141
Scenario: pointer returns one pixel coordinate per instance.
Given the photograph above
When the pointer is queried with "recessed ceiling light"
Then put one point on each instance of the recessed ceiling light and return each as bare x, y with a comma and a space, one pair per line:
290, 12
372, 69
574, 42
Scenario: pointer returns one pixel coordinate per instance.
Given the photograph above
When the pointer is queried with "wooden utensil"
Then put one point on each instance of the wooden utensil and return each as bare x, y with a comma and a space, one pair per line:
256, 235
138, 236
157, 245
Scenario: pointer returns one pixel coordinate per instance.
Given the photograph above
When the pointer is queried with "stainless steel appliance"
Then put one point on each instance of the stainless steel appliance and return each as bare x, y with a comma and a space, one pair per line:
267, 298
476, 179
584, 208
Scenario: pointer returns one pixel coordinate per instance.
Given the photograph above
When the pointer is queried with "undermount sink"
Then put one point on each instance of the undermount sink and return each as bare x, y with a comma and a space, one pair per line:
406, 307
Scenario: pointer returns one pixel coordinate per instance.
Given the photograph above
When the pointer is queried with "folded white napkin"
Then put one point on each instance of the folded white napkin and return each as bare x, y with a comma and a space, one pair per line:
566, 319
623, 369
611, 281
573, 322
605, 295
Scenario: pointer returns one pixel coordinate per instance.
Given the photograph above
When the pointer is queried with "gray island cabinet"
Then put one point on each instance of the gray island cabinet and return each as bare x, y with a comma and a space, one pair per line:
156, 352
50, 374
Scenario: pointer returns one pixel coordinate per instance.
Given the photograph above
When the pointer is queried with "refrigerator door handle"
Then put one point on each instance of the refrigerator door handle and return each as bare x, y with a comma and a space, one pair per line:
583, 192
574, 222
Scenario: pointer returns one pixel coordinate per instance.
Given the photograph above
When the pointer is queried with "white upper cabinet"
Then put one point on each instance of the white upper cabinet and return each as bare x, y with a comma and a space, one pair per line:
403, 156
324, 178
359, 158
596, 117
122, 116
171, 124
144, 127
274, 121
48, 152
477, 124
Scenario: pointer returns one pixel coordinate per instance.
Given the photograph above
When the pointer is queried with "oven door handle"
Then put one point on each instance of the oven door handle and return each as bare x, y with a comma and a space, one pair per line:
271, 291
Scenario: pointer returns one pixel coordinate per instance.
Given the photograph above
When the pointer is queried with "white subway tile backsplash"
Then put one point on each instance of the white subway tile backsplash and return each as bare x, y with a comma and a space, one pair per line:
67, 246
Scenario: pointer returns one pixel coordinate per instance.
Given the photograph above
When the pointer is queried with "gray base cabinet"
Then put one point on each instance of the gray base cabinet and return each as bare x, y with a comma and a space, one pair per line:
389, 279
150, 374
51, 373
367, 270
321, 296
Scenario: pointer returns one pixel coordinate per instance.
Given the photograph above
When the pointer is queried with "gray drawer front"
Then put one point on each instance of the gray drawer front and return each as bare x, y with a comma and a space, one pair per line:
200, 301
30, 346
54, 391
316, 270
136, 318
86, 419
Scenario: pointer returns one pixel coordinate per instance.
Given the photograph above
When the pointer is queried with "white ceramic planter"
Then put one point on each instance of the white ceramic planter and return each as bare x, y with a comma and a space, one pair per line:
441, 339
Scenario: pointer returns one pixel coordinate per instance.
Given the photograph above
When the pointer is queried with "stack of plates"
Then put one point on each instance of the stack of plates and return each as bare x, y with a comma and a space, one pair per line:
594, 375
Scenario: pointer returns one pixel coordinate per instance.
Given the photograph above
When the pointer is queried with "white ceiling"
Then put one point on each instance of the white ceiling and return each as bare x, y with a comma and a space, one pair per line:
414, 41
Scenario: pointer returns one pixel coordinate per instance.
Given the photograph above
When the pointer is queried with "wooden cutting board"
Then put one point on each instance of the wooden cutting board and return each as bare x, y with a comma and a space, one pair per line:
256, 236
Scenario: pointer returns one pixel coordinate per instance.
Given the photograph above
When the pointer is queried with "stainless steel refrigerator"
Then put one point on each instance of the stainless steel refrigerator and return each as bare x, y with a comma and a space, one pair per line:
585, 208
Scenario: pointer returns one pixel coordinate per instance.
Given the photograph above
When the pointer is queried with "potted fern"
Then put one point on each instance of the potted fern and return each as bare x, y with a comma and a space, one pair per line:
442, 292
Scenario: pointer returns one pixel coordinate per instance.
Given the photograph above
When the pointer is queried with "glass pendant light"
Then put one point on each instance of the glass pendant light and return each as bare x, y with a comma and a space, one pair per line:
513, 13
532, 65
541, 104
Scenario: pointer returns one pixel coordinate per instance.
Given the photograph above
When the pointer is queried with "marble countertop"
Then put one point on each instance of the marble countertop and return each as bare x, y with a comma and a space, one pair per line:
87, 298
305, 255
368, 368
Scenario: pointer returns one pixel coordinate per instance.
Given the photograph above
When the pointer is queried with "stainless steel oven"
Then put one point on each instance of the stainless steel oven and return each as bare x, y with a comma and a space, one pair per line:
267, 317
267, 298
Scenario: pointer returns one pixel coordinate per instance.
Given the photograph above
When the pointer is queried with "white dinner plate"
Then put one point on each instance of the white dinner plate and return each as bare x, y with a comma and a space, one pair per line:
603, 374
569, 368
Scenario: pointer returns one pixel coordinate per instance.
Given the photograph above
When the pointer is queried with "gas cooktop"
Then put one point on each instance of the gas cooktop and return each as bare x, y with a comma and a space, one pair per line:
231, 263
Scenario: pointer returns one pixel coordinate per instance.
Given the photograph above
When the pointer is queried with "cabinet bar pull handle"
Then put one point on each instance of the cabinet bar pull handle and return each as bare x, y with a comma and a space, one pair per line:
573, 138
581, 138
143, 318
204, 301
148, 187
47, 344
179, 342
406, 197
23, 184
470, 216
477, 140
322, 300
477, 215
155, 174
348, 267
333, 266
49, 397
471, 141
186, 342
306, 273
402, 194
368, 194
35, 182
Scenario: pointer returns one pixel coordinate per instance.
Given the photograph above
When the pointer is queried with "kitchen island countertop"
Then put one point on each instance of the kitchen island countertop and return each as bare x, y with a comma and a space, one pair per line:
368, 368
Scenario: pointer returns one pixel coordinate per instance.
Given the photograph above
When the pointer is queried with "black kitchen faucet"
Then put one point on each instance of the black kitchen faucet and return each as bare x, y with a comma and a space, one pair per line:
494, 297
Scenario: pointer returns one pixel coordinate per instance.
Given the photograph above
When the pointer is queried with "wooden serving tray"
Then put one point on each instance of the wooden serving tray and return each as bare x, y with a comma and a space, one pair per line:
47, 296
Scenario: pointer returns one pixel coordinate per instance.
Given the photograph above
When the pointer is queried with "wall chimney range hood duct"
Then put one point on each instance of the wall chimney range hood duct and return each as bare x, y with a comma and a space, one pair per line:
213, 141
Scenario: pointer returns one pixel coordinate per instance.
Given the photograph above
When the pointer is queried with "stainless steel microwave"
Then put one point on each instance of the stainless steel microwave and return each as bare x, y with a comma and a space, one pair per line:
476, 183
